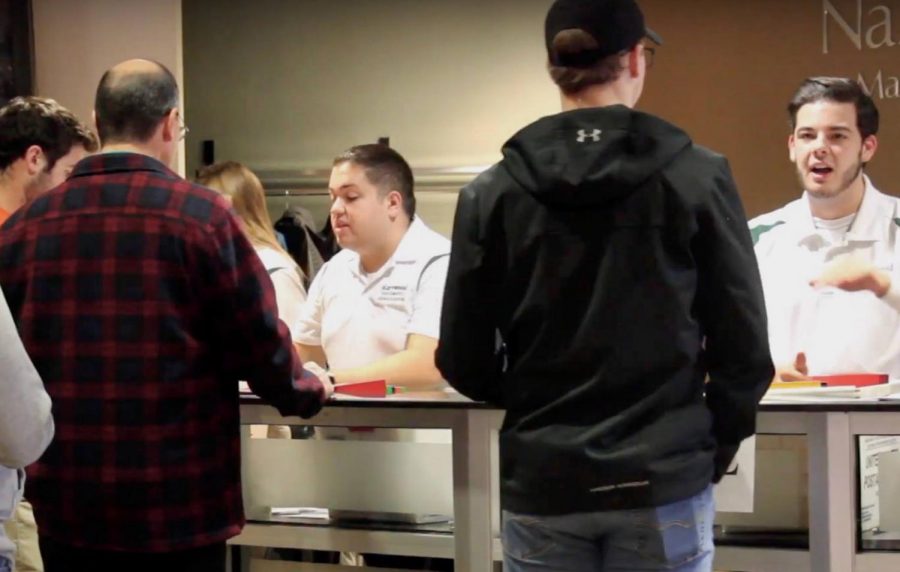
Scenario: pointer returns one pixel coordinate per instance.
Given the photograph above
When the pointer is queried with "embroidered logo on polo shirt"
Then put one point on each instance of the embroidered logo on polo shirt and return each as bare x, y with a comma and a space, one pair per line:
393, 293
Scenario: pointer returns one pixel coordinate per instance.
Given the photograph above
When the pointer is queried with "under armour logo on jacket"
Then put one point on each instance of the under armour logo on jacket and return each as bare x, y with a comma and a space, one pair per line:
594, 135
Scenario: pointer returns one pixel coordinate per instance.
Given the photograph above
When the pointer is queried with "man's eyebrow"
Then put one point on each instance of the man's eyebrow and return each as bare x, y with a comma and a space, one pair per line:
343, 187
828, 128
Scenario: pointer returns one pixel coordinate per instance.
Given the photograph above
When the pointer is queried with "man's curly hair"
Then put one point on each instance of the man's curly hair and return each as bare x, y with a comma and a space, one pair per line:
27, 121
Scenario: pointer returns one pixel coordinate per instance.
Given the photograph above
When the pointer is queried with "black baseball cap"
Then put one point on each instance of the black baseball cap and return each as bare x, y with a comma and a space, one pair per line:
616, 25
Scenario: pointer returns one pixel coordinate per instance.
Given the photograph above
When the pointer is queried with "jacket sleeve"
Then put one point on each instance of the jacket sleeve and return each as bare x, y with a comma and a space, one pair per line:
467, 353
253, 344
732, 314
26, 422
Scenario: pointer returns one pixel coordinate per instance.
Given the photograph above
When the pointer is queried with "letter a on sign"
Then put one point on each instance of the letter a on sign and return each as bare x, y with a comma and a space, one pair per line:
594, 135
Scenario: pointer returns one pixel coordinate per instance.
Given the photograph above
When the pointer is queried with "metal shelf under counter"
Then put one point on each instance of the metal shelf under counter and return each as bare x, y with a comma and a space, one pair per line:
831, 427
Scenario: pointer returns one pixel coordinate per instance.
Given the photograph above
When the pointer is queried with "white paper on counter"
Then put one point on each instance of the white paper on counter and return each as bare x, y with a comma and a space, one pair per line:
301, 512
734, 493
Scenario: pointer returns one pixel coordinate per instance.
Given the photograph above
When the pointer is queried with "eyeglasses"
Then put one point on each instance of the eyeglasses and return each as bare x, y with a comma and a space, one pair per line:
183, 129
649, 54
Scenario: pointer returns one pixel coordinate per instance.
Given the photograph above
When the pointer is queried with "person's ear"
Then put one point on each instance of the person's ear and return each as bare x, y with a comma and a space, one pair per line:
634, 60
35, 160
395, 204
869, 146
171, 127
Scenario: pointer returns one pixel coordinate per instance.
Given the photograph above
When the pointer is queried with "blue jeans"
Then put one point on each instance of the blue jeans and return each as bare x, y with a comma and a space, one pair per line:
677, 538
5, 564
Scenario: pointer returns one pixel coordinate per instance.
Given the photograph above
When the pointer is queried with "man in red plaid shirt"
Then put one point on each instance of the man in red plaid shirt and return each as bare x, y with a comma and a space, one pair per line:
141, 304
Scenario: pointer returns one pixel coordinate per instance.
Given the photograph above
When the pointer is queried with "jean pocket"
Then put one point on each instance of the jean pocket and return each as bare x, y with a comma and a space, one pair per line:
673, 535
524, 538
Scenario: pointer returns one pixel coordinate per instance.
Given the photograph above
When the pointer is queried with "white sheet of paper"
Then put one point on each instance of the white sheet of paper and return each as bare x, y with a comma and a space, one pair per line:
734, 493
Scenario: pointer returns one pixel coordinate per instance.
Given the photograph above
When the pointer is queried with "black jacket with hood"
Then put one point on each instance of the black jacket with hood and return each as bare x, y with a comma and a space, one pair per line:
598, 274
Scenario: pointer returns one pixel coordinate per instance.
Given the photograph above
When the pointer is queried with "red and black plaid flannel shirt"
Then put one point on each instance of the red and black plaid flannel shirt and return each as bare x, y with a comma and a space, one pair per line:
141, 304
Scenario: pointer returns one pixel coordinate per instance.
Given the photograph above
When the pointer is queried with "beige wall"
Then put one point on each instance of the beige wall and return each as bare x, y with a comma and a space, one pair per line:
75, 41
287, 84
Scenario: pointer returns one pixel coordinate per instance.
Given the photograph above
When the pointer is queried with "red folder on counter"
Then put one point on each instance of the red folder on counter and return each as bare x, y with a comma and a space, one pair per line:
373, 388
854, 379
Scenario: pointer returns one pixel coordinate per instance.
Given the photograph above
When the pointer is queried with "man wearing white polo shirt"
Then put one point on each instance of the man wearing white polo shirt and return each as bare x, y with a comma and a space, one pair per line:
829, 260
373, 311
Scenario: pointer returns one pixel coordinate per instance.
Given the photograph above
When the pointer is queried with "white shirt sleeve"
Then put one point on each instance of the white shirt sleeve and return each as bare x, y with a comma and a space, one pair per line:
307, 328
290, 296
26, 423
429, 297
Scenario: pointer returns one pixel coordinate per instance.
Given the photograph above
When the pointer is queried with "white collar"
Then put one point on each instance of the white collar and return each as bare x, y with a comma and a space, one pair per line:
872, 220
410, 245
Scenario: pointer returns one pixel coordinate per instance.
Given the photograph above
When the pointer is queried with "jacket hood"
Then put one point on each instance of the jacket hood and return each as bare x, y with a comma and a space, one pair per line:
591, 156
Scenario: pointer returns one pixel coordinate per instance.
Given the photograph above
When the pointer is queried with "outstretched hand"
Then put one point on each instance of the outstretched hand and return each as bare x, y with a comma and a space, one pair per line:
854, 275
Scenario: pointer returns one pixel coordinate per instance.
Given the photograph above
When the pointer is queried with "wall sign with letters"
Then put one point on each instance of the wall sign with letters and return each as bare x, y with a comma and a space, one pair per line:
868, 26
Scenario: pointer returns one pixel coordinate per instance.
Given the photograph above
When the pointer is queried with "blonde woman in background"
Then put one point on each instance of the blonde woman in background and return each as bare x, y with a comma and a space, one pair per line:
240, 186
244, 190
